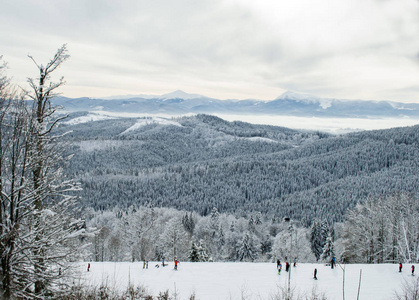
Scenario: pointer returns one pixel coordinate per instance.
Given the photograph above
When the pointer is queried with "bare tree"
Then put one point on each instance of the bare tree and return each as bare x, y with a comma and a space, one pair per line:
38, 232
14, 152
51, 225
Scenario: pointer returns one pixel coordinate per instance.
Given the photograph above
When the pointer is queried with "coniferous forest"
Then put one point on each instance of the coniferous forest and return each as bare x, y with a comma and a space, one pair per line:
202, 189
201, 162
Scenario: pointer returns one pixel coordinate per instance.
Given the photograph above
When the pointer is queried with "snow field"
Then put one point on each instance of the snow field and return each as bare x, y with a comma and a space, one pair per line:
219, 281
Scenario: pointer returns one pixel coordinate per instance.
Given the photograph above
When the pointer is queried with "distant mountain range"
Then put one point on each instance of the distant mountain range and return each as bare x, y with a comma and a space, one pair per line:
289, 103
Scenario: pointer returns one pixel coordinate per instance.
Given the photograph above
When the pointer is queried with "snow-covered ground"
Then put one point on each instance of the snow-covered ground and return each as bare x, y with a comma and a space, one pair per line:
218, 281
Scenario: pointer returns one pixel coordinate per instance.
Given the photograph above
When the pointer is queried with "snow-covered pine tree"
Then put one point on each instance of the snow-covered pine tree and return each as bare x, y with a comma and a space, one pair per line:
266, 245
319, 232
328, 249
202, 251
247, 250
188, 223
193, 253
214, 224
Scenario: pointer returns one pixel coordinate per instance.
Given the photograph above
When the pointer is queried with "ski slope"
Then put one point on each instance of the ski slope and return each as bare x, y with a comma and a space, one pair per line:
218, 281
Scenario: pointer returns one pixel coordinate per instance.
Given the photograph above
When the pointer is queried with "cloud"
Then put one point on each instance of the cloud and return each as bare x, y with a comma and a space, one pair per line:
222, 48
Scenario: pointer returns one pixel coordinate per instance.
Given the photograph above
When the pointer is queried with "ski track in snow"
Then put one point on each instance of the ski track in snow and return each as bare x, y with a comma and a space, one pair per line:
209, 281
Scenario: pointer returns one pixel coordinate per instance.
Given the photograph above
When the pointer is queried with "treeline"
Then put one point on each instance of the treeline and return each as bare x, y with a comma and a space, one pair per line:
206, 162
384, 230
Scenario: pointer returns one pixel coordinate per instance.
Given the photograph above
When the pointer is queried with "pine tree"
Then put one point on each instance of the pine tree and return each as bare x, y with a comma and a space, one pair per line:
319, 232
202, 251
193, 254
328, 249
247, 250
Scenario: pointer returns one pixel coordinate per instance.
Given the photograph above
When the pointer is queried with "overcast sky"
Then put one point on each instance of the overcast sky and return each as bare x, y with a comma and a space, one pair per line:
226, 49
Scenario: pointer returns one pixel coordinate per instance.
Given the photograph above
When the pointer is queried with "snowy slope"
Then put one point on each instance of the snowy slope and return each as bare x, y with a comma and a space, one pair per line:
211, 281
90, 117
156, 120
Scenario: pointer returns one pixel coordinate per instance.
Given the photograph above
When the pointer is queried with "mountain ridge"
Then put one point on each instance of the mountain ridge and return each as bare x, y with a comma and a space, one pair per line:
289, 103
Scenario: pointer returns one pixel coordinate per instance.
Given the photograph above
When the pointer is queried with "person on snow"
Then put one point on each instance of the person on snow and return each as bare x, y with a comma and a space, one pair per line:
176, 263
277, 263
88, 267
400, 267
279, 268
295, 261
333, 262
413, 270
287, 266
315, 274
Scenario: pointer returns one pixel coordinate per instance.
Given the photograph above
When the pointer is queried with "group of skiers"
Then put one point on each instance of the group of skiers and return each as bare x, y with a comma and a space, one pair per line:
278, 266
287, 265
145, 264
163, 264
413, 268
332, 264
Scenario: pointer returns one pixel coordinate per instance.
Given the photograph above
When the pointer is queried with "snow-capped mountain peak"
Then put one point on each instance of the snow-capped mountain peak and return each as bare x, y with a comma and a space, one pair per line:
324, 103
180, 95
297, 96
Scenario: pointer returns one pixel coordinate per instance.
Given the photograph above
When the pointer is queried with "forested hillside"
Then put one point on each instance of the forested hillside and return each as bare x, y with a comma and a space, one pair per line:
197, 163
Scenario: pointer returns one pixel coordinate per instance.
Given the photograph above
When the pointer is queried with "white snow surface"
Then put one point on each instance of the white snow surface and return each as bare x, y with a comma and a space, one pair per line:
209, 281
156, 120
91, 117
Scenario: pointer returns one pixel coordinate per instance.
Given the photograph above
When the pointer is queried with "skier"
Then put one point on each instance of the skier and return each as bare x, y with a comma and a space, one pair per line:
413, 270
277, 263
333, 262
400, 267
162, 263
315, 274
287, 266
144, 264
279, 268
295, 261
176, 263
88, 267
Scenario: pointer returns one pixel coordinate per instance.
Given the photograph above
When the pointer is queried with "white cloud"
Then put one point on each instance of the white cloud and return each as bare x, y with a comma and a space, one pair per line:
222, 48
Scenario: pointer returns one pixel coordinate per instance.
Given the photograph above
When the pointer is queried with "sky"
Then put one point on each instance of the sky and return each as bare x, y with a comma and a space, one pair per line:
225, 49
